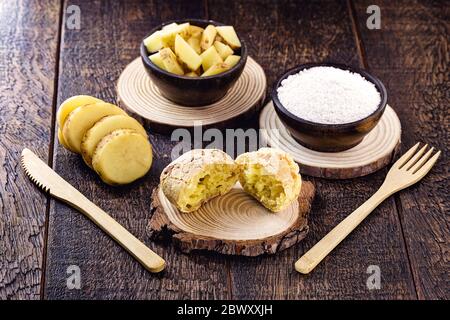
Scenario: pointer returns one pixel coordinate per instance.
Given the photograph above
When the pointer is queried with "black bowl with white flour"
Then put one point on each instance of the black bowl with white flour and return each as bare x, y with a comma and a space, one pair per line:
329, 107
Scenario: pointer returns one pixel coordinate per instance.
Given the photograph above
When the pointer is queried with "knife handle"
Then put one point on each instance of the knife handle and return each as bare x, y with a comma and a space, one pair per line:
149, 259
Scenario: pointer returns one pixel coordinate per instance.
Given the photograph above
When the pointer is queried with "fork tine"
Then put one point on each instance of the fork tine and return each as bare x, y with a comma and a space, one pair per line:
414, 159
427, 166
403, 159
421, 161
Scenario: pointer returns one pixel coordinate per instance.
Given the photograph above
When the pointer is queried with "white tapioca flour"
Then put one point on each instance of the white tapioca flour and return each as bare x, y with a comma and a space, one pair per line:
328, 95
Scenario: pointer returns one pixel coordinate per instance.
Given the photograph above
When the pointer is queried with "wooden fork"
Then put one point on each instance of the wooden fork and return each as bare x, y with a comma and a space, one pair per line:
409, 169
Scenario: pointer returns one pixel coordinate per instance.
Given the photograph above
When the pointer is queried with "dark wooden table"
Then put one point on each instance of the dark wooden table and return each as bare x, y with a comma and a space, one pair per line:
42, 62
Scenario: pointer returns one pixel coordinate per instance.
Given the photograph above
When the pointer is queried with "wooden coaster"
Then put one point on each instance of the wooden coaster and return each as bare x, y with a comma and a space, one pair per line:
234, 223
139, 94
375, 151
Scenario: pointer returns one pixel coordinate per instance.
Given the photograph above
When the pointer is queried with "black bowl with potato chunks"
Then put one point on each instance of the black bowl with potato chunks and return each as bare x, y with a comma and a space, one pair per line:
191, 63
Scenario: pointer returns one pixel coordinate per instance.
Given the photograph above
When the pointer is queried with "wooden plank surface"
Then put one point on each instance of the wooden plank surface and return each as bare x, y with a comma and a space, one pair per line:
407, 236
281, 35
28, 51
307, 37
92, 59
411, 54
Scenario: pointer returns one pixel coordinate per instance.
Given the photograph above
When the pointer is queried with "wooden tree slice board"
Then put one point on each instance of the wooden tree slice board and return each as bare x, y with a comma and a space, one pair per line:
140, 95
375, 151
234, 223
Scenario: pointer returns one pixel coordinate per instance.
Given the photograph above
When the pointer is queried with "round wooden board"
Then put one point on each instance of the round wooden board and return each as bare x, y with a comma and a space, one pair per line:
375, 151
140, 95
234, 223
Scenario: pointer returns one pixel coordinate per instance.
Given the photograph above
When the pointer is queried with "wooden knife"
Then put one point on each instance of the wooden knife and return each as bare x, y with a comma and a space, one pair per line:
51, 182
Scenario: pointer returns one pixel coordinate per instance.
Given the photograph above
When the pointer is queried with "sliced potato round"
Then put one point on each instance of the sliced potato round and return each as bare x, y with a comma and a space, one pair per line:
122, 156
83, 118
62, 141
102, 128
71, 104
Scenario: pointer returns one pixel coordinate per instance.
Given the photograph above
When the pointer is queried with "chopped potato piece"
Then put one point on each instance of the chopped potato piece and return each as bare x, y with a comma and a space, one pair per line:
216, 69
223, 49
122, 156
168, 35
171, 26
157, 60
154, 42
210, 57
170, 61
184, 30
195, 44
195, 32
186, 53
232, 60
229, 35
191, 74
208, 37
102, 128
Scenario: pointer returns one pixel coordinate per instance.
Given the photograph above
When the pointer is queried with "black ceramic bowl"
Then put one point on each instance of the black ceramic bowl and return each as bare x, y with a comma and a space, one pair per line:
191, 91
329, 137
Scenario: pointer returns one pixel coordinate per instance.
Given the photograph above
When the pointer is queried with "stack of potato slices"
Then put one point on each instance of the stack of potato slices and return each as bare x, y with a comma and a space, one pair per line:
112, 143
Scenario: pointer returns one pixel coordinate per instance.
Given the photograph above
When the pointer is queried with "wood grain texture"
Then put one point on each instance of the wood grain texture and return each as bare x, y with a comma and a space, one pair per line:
92, 59
374, 153
47, 179
28, 50
411, 54
281, 35
410, 168
242, 226
137, 93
